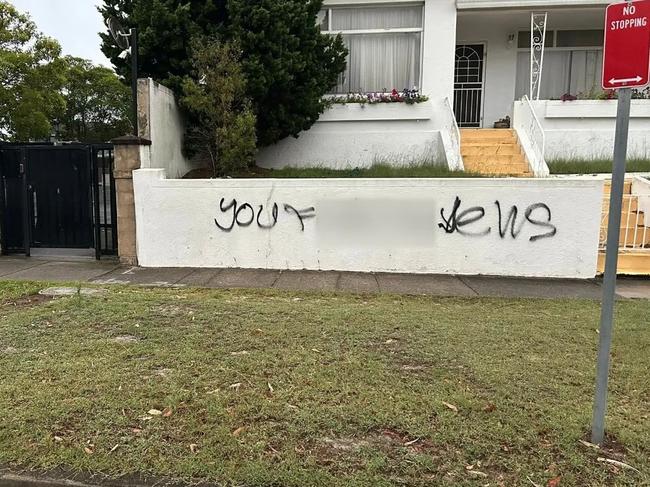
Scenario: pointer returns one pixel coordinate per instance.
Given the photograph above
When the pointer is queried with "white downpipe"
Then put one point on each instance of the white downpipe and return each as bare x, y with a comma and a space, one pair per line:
451, 139
531, 136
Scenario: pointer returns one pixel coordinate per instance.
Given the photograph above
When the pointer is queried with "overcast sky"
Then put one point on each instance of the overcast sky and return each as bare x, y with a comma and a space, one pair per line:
74, 23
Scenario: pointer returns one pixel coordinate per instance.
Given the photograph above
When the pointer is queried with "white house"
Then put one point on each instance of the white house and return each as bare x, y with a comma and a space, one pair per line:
472, 59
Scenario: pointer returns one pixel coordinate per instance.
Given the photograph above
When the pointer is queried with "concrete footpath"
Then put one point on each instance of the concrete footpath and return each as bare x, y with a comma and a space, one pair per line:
110, 272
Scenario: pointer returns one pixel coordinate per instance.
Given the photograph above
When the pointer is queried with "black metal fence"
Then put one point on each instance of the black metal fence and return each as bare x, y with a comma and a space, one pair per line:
105, 206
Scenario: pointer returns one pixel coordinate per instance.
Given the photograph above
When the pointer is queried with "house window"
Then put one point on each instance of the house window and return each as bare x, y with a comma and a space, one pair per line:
384, 45
573, 63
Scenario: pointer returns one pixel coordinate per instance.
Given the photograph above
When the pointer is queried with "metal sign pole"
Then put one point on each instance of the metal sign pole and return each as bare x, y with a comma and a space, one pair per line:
611, 262
134, 79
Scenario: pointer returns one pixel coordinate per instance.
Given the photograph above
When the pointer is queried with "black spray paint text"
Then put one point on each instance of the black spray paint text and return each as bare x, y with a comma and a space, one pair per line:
471, 221
467, 221
243, 215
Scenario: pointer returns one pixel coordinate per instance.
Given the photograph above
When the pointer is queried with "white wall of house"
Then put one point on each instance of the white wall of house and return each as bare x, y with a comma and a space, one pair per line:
584, 129
160, 120
351, 136
492, 27
387, 225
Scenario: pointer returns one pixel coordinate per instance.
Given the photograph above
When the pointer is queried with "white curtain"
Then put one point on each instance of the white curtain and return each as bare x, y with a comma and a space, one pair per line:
573, 72
376, 18
379, 62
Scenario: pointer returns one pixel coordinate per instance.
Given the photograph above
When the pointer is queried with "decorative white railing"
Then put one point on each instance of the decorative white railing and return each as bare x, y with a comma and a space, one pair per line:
532, 137
635, 234
452, 133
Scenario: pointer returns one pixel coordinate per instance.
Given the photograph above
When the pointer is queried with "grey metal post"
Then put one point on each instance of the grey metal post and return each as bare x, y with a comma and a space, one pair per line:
611, 262
134, 79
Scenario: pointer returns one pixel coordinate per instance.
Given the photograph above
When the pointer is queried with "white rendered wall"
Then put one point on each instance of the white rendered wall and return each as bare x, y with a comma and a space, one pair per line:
160, 120
358, 136
584, 129
389, 225
492, 28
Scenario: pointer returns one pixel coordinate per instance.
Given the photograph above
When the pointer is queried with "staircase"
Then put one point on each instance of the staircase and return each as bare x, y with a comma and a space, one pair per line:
493, 152
634, 245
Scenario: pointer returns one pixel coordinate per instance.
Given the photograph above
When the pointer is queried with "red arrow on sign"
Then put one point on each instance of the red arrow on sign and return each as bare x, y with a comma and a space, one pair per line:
626, 57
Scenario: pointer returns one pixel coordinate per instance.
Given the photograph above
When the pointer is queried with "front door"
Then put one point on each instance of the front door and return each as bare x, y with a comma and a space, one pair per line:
469, 84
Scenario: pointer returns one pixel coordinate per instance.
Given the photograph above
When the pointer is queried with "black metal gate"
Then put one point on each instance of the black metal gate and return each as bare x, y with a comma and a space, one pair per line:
57, 197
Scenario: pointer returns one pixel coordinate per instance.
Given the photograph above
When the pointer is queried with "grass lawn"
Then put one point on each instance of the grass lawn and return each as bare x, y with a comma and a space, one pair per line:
262, 388
375, 171
595, 166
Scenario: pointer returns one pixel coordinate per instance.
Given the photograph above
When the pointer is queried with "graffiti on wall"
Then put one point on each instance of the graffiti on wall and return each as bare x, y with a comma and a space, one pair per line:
459, 218
472, 221
243, 215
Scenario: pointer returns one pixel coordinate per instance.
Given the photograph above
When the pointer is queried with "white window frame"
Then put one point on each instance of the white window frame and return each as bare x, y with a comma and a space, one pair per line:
398, 30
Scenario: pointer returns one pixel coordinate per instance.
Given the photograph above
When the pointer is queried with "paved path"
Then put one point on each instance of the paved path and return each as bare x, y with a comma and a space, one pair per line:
109, 272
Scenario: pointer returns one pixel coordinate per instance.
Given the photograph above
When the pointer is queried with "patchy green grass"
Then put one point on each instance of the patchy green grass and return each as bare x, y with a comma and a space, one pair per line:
577, 166
12, 290
262, 388
375, 171
382, 170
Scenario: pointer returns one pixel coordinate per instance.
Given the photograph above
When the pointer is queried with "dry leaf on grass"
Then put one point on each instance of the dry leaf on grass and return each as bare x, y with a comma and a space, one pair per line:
194, 447
154, 412
533, 483
489, 407
238, 431
88, 450
58, 438
478, 473
589, 445
617, 463
555, 482
167, 412
450, 406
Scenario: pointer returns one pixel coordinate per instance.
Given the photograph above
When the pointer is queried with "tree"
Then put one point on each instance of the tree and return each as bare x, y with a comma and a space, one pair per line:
288, 64
31, 75
223, 125
97, 103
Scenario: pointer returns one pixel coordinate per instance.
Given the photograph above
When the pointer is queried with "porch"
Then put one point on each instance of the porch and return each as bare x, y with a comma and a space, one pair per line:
493, 61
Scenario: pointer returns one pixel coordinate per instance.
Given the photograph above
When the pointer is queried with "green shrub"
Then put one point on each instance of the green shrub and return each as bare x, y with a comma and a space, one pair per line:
222, 123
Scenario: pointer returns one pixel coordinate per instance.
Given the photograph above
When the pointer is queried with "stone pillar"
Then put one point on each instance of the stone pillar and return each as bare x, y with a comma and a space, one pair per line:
130, 154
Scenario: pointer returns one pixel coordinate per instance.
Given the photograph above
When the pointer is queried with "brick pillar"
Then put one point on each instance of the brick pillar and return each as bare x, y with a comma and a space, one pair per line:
129, 154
